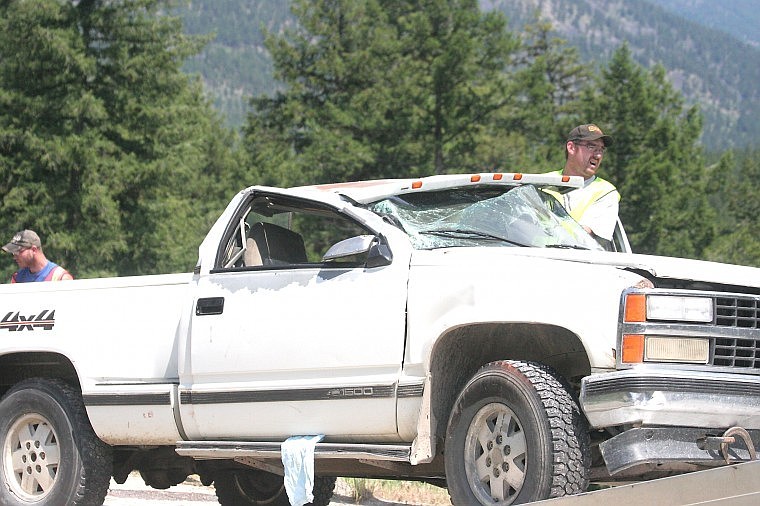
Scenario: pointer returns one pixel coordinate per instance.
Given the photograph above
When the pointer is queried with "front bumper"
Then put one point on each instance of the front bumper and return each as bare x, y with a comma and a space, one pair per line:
666, 448
676, 416
671, 397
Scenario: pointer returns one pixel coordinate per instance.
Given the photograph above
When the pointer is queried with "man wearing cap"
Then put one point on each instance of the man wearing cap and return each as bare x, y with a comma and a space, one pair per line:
595, 204
26, 249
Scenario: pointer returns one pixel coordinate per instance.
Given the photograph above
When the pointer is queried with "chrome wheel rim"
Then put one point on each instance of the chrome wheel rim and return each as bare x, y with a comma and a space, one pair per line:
495, 452
32, 457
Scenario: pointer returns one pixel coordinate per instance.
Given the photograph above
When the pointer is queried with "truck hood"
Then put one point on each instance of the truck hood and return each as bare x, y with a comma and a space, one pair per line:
680, 271
684, 269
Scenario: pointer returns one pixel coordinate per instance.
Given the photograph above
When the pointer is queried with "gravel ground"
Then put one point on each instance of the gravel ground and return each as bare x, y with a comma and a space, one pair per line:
192, 493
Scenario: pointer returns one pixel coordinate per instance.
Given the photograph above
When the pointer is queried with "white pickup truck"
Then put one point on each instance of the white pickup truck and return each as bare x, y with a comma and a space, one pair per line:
460, 330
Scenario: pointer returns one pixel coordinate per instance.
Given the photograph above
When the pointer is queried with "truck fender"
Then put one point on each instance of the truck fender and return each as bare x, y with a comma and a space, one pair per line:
423, 446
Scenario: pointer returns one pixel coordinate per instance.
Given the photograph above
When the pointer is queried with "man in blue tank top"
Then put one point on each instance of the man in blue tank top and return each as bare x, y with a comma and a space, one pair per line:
26, 249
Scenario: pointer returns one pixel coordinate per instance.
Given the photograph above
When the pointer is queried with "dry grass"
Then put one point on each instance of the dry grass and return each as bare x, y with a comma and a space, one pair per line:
392, 491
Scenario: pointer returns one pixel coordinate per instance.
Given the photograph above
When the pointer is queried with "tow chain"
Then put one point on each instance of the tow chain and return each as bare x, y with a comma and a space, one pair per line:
728, 439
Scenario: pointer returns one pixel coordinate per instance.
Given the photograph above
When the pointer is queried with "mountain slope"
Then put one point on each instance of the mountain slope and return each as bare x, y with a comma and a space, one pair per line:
738, 18
710, 67
235, 65
719, 73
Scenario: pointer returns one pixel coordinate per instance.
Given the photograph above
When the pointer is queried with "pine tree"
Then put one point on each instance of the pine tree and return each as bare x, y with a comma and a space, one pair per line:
546, 80
656, 161
737, 201
104, 143
379, 88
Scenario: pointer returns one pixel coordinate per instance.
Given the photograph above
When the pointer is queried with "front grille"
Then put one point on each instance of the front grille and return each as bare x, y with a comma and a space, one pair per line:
733, 352
738, 312
741, 312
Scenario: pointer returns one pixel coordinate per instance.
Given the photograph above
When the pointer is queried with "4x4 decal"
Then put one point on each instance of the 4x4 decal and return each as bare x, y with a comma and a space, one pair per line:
16, 321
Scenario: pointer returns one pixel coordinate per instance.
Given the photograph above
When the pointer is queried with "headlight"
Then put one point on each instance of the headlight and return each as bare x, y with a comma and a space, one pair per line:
685, 309
648, 307
644, 307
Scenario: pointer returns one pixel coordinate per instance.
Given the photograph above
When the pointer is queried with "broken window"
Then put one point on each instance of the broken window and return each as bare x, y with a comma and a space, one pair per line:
484, 216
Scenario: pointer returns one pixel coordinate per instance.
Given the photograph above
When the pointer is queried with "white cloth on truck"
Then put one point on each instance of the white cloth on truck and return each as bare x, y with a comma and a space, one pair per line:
298, 461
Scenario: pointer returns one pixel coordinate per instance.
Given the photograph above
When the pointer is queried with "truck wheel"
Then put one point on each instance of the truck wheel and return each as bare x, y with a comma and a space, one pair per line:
50, 454
323, 490
254, 488
515, 435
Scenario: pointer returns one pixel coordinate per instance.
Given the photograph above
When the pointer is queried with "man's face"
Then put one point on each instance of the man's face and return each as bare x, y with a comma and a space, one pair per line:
584, 157
24, 257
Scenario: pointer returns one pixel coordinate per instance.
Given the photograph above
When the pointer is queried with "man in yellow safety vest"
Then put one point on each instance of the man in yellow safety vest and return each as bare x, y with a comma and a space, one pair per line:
595, 204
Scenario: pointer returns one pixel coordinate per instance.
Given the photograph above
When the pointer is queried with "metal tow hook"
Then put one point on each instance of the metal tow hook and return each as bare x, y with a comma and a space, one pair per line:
728, 439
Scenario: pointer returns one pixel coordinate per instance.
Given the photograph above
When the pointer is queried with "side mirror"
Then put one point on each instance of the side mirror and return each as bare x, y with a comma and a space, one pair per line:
349, 247
375, 250
379, 254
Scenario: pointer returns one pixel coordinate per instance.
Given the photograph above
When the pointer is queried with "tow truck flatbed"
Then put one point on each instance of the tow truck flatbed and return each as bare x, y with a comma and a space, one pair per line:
731, 485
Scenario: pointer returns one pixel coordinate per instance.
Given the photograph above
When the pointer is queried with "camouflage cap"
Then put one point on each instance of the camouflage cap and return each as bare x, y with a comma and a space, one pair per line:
23, 239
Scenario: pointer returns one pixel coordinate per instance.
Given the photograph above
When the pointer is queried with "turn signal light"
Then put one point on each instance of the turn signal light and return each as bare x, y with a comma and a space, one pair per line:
633, 349
636, 307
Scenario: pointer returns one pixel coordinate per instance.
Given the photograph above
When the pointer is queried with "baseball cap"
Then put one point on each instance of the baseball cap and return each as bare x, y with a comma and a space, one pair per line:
588, 133
23, 239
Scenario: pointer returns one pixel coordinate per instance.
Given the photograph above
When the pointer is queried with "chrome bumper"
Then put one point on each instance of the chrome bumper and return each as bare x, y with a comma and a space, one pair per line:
668, 397
664, 448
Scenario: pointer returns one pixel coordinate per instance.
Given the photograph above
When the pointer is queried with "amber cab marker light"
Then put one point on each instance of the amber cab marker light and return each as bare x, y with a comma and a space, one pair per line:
497, 177
636, 307
633, 349
416, 185
517, 177
475, 178
565, 179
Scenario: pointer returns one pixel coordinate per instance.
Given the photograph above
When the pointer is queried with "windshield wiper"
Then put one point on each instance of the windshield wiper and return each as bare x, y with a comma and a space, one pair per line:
469, 234
566, 246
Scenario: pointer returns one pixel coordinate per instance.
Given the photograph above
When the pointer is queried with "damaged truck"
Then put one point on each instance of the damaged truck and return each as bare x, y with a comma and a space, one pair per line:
459, 330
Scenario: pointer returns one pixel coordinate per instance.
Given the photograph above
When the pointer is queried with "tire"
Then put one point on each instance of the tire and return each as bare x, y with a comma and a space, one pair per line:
324, 486
515, 435
258, 488
50, 454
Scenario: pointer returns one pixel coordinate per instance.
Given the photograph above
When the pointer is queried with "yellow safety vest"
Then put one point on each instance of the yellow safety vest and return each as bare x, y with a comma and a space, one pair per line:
596, 190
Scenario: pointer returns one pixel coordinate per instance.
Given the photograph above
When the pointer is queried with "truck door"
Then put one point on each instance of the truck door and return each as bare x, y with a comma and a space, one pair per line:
283, 343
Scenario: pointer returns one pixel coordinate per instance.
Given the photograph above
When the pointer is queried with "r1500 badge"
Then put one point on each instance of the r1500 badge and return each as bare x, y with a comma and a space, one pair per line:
16, 321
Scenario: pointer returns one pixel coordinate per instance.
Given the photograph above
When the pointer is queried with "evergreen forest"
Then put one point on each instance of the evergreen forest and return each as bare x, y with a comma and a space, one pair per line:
116, 155
710, 50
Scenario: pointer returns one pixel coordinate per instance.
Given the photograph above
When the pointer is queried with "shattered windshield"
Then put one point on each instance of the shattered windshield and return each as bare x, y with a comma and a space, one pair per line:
484, 216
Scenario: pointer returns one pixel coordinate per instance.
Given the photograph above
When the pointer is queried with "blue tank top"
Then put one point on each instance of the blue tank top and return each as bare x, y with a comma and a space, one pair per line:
26, 276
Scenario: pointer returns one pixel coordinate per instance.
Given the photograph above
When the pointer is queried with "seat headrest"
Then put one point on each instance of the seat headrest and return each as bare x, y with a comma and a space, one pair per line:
278, 245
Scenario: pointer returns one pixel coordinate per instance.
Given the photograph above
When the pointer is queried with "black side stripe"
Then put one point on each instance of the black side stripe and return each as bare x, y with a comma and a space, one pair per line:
162, 399
311, 394
410, 390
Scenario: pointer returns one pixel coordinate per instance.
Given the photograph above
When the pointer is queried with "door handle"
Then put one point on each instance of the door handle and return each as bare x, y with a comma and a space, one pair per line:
209, 306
